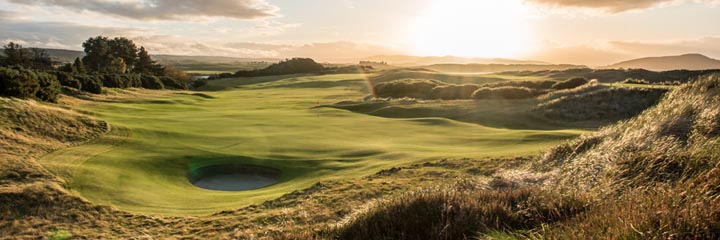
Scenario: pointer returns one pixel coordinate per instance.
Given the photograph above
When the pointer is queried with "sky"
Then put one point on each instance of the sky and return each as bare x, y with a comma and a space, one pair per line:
589, 32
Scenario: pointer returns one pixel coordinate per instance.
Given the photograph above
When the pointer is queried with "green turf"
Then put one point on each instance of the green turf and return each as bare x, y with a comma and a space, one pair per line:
142, 164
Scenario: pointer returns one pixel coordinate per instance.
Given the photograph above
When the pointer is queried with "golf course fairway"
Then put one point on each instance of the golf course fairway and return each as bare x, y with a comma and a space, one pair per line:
142, 165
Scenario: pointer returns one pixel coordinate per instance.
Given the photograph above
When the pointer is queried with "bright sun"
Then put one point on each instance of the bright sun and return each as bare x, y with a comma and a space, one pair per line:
472, 28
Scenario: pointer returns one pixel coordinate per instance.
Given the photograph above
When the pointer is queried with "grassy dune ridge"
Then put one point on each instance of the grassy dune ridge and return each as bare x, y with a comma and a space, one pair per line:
654, 176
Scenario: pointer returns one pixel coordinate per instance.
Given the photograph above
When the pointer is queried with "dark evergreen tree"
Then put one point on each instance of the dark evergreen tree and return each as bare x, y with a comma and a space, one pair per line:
16, 55
79, 66
144, 63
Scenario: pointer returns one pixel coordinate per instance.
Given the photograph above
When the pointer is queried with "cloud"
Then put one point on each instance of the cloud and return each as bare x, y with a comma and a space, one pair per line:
615, 6
166, 9
56, 34
339, 52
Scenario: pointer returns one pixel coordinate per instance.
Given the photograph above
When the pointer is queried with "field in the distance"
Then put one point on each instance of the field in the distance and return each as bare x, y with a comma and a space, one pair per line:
157, 137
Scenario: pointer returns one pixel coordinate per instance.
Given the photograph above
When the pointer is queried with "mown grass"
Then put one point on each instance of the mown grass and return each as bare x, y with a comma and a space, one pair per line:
142, 165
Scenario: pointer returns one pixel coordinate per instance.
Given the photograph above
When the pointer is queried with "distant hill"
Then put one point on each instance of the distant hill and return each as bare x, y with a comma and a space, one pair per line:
480, 68
64, 55
406, 60
687, 61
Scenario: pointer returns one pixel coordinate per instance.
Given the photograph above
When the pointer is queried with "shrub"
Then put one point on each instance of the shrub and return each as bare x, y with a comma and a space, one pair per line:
113, 81
451, 92
288, 66
198, 83
539, 85
505, 93
412, 88
151, 82
91, 83
570, 83
18, 82
68, 80
172, 83
133, 80
49, 90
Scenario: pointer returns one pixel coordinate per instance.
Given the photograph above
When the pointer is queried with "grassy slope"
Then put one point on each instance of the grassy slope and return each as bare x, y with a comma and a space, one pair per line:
142, 165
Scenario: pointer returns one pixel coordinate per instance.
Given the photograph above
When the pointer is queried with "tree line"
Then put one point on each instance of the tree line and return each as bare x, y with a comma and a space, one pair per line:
108, 62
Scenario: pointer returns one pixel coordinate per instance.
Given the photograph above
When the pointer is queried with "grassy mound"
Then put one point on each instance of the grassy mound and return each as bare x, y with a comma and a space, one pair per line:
655, 176
597, 102
458, 214
29, 129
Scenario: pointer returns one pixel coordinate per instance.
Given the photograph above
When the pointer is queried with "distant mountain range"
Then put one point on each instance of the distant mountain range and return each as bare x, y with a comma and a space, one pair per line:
687, 61
407, 60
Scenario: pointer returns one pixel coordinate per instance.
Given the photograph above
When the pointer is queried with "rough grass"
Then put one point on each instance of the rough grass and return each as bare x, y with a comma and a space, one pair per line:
450, 213
597, 102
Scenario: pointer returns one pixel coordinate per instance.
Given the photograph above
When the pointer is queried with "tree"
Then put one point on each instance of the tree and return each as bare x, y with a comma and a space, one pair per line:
144, 64
68, 68
117, 65
124, 48
97, 54
177, 74
16, 55
40, 59
79, 66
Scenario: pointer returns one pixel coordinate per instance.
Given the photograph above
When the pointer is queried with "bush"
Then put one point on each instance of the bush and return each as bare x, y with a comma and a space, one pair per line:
172, 83
134, 80
505, 93
68, 80
198, 83
412, 88
539, 85
113, 81
570, 83
91, 83
288, 66
18, 82
49, 90
151, 82
451, 92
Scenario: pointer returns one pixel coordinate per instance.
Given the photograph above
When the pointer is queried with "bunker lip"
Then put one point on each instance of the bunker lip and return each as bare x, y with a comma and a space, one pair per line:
234, 177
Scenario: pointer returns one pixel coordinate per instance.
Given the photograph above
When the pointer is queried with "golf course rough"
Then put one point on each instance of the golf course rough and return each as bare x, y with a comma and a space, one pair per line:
143, 164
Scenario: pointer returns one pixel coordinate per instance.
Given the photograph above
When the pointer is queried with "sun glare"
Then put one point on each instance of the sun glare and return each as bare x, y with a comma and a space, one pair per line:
472, 28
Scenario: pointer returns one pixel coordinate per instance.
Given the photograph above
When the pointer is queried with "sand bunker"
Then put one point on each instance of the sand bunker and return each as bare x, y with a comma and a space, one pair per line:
234, 177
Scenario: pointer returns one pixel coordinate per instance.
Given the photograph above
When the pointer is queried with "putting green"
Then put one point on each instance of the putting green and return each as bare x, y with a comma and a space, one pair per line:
143, 164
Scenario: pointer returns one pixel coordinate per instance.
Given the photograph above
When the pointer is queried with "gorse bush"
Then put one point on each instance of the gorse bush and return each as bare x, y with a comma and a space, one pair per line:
151, 82
68, 80
49, 87
505, 93
538, 85
570, 83
412, 88
451, 92
18, 82
172, 83
91, 83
